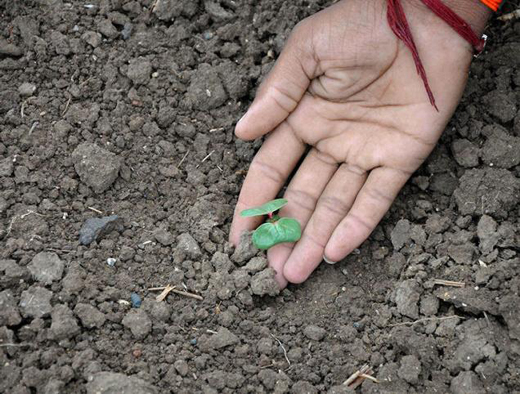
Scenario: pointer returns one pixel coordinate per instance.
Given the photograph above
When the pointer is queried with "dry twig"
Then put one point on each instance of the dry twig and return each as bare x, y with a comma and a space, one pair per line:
283, 348
450, 283
184, 158
509, 16
357, 377
167, 289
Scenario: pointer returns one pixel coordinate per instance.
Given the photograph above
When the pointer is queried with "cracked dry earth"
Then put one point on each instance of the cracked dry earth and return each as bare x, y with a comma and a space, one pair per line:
114, 108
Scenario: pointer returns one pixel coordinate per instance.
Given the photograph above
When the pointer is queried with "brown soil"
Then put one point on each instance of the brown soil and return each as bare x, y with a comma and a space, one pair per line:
107, 108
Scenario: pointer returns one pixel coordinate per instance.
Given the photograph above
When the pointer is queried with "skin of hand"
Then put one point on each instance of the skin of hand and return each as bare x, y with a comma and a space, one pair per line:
345, 94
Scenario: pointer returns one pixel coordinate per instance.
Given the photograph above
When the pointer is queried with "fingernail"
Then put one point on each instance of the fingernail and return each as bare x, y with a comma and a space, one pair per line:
240, 120
328, 261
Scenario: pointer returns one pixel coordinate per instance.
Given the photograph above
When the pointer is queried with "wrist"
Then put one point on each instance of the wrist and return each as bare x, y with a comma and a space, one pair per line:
474, 12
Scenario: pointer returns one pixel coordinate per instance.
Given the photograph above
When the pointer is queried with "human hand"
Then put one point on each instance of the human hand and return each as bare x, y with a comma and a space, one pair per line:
345, 86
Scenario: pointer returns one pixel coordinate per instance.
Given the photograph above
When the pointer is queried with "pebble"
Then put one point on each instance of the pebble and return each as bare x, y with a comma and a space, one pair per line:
97, 167
400, 235
136, 300
217, 341
187, 245
245, 249
314, 332
138, 322
89, 316
95, 228
63, 325
36, 302
26, 89
407, 299
8, 49
264, 283
111, 261
46, 267
9, 315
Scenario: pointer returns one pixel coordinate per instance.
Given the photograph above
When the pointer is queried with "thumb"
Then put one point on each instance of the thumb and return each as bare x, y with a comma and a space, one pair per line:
283, 88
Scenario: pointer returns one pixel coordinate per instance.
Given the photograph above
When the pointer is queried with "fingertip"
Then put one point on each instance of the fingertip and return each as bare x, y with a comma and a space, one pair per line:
294, 274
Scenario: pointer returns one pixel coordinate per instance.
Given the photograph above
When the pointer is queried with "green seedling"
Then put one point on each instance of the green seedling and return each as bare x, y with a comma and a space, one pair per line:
276, 229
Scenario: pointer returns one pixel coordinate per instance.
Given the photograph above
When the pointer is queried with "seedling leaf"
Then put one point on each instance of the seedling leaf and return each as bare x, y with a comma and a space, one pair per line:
265, 209
283, 230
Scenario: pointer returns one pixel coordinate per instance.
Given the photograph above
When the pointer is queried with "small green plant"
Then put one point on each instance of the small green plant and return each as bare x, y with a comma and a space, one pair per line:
276, 229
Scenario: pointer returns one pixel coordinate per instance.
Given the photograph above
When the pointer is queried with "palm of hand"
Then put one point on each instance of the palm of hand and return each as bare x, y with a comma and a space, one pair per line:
360, 105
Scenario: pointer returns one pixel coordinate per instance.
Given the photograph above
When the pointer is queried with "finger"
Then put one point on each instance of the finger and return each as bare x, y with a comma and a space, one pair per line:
267, 174
332, 207
303, 193
281, 92
277, 256
371, 204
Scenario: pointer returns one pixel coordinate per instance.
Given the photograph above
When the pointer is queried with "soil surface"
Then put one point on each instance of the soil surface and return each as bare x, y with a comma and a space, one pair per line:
123, 111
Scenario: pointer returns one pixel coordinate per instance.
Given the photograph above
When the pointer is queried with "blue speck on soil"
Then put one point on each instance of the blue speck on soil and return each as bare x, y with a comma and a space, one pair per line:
193, 341
136, 300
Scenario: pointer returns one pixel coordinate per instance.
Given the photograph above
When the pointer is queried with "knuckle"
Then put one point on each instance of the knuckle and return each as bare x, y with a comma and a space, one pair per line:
301, 198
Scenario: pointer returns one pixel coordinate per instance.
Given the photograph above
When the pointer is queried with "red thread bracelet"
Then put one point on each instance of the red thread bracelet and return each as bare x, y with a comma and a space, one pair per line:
493, 4
399, 25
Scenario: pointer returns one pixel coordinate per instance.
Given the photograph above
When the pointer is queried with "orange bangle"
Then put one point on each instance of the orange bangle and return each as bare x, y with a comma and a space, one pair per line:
493, 4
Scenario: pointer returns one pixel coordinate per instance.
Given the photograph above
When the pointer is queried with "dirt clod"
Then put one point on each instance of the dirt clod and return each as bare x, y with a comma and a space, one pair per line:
97, 167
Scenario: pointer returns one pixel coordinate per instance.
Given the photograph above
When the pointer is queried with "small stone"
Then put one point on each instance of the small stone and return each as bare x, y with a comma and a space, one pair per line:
314, 333
138, 322
221, 262
186, 244
245, 249
63, 324
400, 235
487, 234
36, 302
8, 49
96, 167
6, 167
46, 267
60, 43
221, 339
469, 300
410, 369
182, 367
106, 28
136, 300
467, 382
94, 229
407, 298
500, 149
139, 71
164, 237
9, 315
126, 253
117, 383
429, 305
264, 283
256, 264
111, 261
501, 105
491, 191
465, 153
92, 38
26, 89
206, 91
462, 254
89, 316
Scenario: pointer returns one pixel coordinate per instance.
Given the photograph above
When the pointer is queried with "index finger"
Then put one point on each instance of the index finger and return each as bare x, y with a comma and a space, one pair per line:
267, 174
